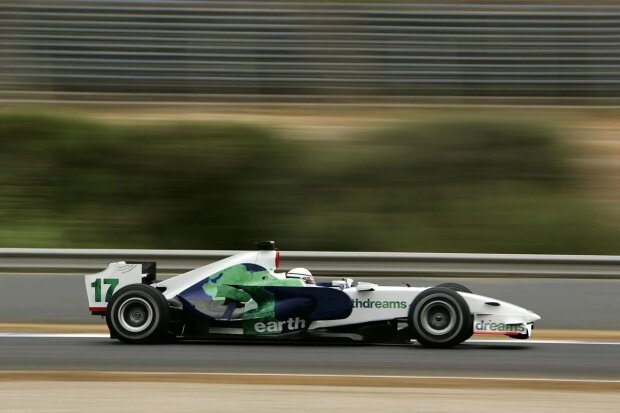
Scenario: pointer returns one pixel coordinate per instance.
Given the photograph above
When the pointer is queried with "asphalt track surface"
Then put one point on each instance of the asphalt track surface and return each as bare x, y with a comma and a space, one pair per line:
563, 304
569, 304
515, 359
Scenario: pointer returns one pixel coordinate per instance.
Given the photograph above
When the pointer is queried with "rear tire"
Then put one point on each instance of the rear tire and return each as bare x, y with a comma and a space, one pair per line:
439, 317
138, 314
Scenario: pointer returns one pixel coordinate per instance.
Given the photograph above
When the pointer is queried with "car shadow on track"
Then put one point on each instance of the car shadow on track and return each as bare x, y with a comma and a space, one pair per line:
327, 344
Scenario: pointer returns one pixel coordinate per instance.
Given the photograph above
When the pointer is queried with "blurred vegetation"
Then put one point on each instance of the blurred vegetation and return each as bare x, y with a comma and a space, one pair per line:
466, 185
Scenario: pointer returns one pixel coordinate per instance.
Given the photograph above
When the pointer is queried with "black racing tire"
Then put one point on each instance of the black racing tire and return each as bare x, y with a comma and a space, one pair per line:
456, 287
138, 314
440, 318
462, 289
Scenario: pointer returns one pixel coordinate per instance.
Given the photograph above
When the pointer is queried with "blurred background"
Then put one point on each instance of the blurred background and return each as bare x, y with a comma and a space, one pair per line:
463, 126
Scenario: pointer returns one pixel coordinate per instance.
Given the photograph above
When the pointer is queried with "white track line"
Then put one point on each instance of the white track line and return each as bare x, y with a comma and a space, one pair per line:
378, 376
577, 342
100, 335
315, 375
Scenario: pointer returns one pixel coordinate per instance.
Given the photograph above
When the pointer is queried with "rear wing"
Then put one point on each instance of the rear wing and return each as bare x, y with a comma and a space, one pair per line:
100, 287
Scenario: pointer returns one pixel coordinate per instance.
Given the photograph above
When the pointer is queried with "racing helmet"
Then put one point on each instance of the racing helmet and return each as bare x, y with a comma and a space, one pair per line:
301, 273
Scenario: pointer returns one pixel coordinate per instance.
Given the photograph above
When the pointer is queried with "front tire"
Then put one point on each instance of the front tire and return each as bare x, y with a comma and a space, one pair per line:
138, 314
439, 317
456, 287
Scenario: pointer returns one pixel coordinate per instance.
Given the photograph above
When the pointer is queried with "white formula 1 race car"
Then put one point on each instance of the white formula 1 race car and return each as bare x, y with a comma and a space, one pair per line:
244, 296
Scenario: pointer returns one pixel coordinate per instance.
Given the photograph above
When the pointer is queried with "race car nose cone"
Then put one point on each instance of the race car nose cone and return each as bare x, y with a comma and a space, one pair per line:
534, 316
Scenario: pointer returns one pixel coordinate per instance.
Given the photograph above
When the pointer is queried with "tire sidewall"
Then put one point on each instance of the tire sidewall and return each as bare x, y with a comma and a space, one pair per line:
158, 305
457, 334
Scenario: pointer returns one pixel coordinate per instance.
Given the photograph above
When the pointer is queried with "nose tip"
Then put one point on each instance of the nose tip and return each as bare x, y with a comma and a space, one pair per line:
534, 316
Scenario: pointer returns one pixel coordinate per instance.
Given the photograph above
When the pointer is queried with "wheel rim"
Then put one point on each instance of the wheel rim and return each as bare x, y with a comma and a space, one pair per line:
438, 317
135, 314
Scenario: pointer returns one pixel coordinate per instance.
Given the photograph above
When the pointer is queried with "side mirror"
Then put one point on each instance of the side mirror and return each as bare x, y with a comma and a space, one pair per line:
340, 284
362, 286
344, 283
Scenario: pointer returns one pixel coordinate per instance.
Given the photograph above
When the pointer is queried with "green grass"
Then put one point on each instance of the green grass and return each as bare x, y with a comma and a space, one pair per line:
458, 184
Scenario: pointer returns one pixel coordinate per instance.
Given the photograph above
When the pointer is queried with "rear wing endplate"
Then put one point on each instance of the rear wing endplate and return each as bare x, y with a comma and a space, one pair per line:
100, 287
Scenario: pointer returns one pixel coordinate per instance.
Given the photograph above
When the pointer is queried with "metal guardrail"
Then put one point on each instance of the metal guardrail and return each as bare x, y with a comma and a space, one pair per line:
337, 264
203, 50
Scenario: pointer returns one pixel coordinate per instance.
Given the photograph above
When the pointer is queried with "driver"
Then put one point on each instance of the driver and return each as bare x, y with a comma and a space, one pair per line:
303, 274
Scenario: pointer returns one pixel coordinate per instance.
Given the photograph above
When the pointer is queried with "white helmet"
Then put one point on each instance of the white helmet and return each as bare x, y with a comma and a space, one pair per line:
301, 273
